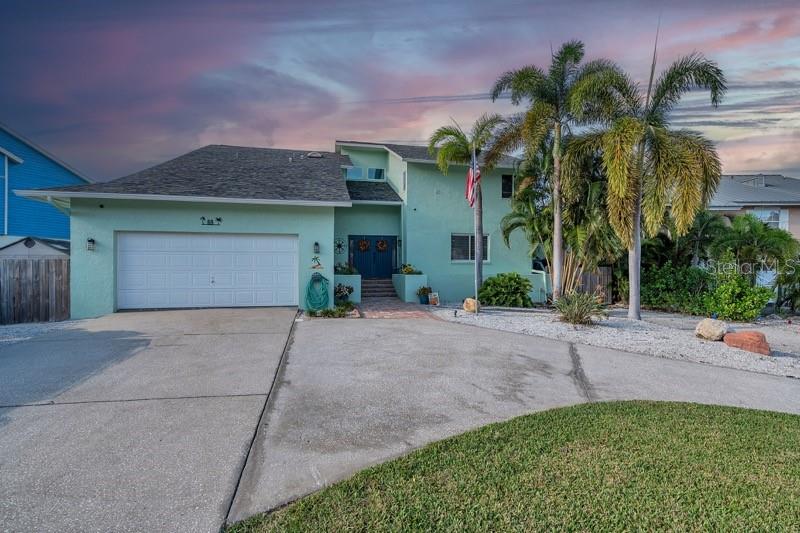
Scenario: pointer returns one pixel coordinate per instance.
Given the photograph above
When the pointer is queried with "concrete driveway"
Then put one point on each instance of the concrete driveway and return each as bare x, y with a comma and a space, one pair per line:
352, 393
134, 421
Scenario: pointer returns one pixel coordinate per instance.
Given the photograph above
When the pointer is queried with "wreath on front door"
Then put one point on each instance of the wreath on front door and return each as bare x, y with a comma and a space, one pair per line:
363, 245
381, 245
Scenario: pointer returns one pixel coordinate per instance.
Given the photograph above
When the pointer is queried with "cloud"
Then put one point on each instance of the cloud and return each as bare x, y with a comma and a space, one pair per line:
115, 86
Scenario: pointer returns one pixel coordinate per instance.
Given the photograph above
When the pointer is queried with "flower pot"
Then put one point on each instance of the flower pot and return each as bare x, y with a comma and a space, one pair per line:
423, 299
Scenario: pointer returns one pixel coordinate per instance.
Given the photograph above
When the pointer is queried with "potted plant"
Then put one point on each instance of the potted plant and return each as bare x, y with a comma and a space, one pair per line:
408, 269
342, 292
423, 293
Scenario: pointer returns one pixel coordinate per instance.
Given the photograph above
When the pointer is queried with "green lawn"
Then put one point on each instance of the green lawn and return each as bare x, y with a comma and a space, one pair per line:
607, 466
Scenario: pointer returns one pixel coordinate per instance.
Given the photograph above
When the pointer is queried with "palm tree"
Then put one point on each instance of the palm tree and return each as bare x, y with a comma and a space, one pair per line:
452, 145
756, 244
548, 116
651, 168
706, 228
588, 238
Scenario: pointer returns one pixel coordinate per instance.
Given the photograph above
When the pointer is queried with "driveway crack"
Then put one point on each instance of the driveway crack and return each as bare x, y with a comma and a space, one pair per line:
579, 376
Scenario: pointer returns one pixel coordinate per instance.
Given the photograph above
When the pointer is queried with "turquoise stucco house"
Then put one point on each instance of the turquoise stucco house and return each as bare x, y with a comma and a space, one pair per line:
233, 226
26, 165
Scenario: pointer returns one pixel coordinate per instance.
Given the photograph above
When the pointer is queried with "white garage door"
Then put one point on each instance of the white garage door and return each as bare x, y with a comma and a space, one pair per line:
163, 270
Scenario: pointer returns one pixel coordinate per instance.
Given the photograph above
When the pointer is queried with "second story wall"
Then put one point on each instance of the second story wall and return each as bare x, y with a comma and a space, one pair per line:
37, 171
436, 210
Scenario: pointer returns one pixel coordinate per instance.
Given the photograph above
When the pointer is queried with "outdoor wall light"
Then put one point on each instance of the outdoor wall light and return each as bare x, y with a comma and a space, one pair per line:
90, 244
316, 247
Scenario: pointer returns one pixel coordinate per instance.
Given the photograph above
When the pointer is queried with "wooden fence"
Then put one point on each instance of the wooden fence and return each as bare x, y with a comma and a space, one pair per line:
601, 278
34, 290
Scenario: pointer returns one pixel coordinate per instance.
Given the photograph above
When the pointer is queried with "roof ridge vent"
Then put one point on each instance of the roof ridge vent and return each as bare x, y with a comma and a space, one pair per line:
314, 155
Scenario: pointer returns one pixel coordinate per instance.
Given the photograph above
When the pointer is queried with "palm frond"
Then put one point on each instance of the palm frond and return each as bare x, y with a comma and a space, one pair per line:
508, 138
696, 174
693, 71
580, 150
565, 65
620, 144
536, 125
603, 92
526, 83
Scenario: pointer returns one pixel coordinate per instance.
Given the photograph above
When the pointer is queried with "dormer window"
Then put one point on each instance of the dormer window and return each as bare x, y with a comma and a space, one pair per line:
361, 173
354, 173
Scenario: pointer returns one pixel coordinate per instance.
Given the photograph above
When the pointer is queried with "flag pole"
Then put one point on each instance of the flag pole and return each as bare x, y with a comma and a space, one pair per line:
476, 184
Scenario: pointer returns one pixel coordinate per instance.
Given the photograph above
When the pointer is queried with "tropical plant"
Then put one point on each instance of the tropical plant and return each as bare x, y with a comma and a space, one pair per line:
452, 145
588, 238
691, 249
506, 290
580, 308
675, 288
788, 284
424, 291
548, 116
651, 168
733, 296
755, 246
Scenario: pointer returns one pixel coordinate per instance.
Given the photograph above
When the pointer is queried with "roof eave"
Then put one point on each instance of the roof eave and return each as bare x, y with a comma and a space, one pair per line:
431, 162
50, 196
45, 153
16, 159
377, 202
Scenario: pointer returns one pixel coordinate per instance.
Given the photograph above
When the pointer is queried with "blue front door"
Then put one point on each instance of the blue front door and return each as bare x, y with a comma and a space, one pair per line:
374, 256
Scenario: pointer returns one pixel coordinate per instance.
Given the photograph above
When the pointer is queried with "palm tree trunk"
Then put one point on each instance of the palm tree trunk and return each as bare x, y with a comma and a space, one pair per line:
478, 238
635, 261
558, 256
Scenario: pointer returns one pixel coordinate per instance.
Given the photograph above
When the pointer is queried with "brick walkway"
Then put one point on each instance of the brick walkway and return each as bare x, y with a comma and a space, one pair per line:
392, 308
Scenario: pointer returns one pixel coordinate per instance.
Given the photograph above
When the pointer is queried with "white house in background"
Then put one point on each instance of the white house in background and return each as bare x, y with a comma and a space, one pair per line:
773, 198
34, 247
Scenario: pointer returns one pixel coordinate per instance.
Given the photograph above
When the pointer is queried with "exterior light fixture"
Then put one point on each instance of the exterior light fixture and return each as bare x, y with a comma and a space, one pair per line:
90, 244
316, 247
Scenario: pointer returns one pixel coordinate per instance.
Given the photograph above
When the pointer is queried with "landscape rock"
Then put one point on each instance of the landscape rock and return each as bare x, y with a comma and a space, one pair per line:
470, 305
711, 329
751, 341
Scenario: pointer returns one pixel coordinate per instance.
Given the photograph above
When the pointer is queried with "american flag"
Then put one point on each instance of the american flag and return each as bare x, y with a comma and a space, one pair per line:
473, 177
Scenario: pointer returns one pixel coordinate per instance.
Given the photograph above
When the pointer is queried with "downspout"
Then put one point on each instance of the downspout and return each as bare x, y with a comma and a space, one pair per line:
5, 194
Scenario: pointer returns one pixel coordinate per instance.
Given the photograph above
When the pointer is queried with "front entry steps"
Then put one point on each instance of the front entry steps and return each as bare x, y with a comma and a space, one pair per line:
377, 288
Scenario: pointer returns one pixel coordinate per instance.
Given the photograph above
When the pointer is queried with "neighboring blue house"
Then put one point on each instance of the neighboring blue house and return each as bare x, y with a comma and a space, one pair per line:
24, 165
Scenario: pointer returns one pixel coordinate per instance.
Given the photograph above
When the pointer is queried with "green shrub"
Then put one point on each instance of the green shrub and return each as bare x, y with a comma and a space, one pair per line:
580, 308
733, 298
506, 290
340, 311
671, 288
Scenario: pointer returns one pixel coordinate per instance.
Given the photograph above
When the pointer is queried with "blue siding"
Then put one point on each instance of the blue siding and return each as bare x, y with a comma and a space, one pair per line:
29, 217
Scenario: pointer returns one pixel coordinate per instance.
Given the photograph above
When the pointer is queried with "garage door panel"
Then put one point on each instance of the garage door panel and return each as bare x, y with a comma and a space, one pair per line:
162, 270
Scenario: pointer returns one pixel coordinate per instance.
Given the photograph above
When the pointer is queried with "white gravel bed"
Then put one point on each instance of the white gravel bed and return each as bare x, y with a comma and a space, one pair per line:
632, 336
12, 333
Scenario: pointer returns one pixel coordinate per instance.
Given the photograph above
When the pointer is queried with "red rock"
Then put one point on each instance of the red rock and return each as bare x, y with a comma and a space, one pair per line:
752, 341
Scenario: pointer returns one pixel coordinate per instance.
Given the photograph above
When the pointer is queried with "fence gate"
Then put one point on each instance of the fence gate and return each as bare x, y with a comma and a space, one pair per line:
34, 290
601, 279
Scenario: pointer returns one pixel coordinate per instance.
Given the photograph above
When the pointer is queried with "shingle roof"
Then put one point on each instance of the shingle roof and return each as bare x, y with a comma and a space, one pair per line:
374, 191
769, 181
733, 194
237, 172
420, 153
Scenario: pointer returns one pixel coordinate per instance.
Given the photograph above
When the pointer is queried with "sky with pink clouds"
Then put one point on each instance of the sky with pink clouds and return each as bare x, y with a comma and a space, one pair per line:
113, 87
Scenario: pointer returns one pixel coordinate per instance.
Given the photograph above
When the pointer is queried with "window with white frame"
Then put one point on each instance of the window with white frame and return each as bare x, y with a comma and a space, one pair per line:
375, 173
462, 247
354, 173
772, 216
